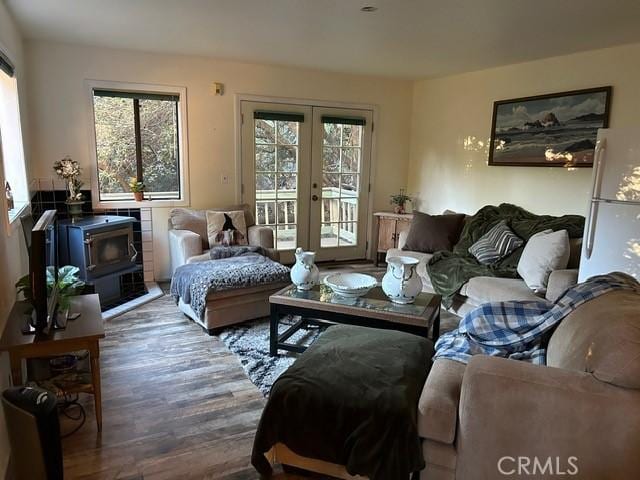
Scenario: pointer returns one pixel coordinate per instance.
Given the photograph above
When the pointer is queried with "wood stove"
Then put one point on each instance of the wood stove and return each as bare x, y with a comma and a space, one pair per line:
103, 248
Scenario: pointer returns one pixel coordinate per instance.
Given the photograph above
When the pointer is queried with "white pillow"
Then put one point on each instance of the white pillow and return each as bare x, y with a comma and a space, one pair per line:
544, 252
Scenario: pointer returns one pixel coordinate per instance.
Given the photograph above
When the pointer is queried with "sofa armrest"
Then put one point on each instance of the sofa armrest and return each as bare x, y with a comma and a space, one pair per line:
260, 236
515, 409
559, 281
438, 406
183, 244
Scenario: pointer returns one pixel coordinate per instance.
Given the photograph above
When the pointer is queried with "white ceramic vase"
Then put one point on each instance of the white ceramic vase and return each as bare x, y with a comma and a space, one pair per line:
401, 283
305, 274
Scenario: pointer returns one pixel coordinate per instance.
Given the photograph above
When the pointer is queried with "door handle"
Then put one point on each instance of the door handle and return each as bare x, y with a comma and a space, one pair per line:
135, 252
597, 165
314, 198
591, 228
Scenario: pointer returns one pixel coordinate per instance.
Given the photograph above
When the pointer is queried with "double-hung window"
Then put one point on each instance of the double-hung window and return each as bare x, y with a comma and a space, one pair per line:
12, 150
139, 135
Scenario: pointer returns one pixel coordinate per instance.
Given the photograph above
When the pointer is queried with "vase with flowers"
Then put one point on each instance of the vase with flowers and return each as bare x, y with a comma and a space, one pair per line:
137, 187
69, 170
399, 201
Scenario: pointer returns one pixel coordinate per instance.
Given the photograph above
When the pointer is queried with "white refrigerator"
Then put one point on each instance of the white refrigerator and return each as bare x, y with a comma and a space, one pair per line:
612, 230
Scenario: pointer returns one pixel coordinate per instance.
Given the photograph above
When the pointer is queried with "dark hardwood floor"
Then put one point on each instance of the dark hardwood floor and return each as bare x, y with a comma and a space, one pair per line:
176, 405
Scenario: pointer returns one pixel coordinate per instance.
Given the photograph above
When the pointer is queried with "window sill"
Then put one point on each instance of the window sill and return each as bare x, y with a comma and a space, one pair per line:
143, 204
13, 216
19, 209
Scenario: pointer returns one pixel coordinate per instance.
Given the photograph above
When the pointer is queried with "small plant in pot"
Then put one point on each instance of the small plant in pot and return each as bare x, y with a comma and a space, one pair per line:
137, 187
399, 201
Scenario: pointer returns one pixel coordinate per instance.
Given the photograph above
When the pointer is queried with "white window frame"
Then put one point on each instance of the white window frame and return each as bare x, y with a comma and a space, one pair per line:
12, 220
183, 143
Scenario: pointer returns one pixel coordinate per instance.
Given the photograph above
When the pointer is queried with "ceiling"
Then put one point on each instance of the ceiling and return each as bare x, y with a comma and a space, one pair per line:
403, 38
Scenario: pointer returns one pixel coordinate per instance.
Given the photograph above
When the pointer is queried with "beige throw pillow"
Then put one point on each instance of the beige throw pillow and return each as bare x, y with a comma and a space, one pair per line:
226, 228
544, 252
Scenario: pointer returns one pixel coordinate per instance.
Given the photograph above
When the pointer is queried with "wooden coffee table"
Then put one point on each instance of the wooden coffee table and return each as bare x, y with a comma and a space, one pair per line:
320, 306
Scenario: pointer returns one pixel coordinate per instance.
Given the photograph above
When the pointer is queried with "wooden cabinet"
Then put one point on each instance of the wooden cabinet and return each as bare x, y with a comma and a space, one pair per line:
389, 226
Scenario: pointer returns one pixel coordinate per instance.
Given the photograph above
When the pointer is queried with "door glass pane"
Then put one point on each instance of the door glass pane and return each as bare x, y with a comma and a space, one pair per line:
329, 235
276, 174
332, 134
265, 158
348, 233
265, 131
341, 153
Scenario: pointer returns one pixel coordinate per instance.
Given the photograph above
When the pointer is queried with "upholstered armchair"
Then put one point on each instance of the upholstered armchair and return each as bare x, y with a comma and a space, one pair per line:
188, 242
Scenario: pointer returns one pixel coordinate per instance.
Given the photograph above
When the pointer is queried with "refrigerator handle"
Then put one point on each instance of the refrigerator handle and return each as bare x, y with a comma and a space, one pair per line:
591, 228
601, 146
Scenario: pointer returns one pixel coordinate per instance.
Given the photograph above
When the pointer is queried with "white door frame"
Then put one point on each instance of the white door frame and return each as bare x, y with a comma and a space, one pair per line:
240, 97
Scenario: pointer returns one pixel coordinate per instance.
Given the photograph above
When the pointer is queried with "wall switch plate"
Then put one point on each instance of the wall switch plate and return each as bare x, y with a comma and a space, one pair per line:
224, 179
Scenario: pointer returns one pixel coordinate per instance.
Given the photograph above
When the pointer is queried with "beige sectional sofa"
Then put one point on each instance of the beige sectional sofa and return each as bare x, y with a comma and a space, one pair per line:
585, 403
188, 243
480, 290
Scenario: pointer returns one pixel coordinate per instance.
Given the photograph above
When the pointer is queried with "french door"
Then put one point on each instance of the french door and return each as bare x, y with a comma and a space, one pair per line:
305, 169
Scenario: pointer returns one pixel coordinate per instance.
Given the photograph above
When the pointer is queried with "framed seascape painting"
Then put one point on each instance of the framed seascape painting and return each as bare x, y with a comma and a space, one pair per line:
557, 130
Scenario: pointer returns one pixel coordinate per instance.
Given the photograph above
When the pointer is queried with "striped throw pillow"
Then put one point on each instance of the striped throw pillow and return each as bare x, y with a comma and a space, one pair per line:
496, 244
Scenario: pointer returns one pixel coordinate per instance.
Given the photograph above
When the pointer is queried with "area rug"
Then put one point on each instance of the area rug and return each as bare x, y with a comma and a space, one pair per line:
250, 343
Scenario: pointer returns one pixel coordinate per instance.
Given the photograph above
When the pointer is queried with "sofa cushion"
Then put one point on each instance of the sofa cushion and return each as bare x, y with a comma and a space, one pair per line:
496, 244
438, 406
432, 233
602, 337
481, 290
544, 252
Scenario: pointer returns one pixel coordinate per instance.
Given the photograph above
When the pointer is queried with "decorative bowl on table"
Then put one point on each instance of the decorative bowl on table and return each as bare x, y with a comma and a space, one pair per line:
350, 285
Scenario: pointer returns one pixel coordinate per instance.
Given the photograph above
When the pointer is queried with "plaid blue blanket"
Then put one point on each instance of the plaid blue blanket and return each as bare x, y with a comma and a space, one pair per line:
519, 330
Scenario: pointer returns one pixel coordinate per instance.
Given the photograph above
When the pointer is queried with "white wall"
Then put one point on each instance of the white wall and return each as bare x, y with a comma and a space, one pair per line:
13, 257
447, 110
60, 125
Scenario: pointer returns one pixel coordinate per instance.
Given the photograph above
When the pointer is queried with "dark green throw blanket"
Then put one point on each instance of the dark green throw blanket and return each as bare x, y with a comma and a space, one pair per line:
449, 271
351, 399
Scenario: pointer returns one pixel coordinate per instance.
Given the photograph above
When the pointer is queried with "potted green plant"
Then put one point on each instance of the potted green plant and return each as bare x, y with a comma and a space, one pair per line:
137, 187
399, 201
69, 284
69, 170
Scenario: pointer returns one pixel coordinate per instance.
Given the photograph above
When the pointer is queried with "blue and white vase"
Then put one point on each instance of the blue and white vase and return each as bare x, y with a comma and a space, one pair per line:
401, 283
305, 273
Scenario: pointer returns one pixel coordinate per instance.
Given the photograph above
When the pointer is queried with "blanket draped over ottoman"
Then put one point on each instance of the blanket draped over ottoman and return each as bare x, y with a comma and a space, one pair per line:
351, 399
192, 282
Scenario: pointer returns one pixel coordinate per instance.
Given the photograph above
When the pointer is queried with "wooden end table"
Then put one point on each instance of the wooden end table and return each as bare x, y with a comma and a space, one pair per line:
320, 306
83, 333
